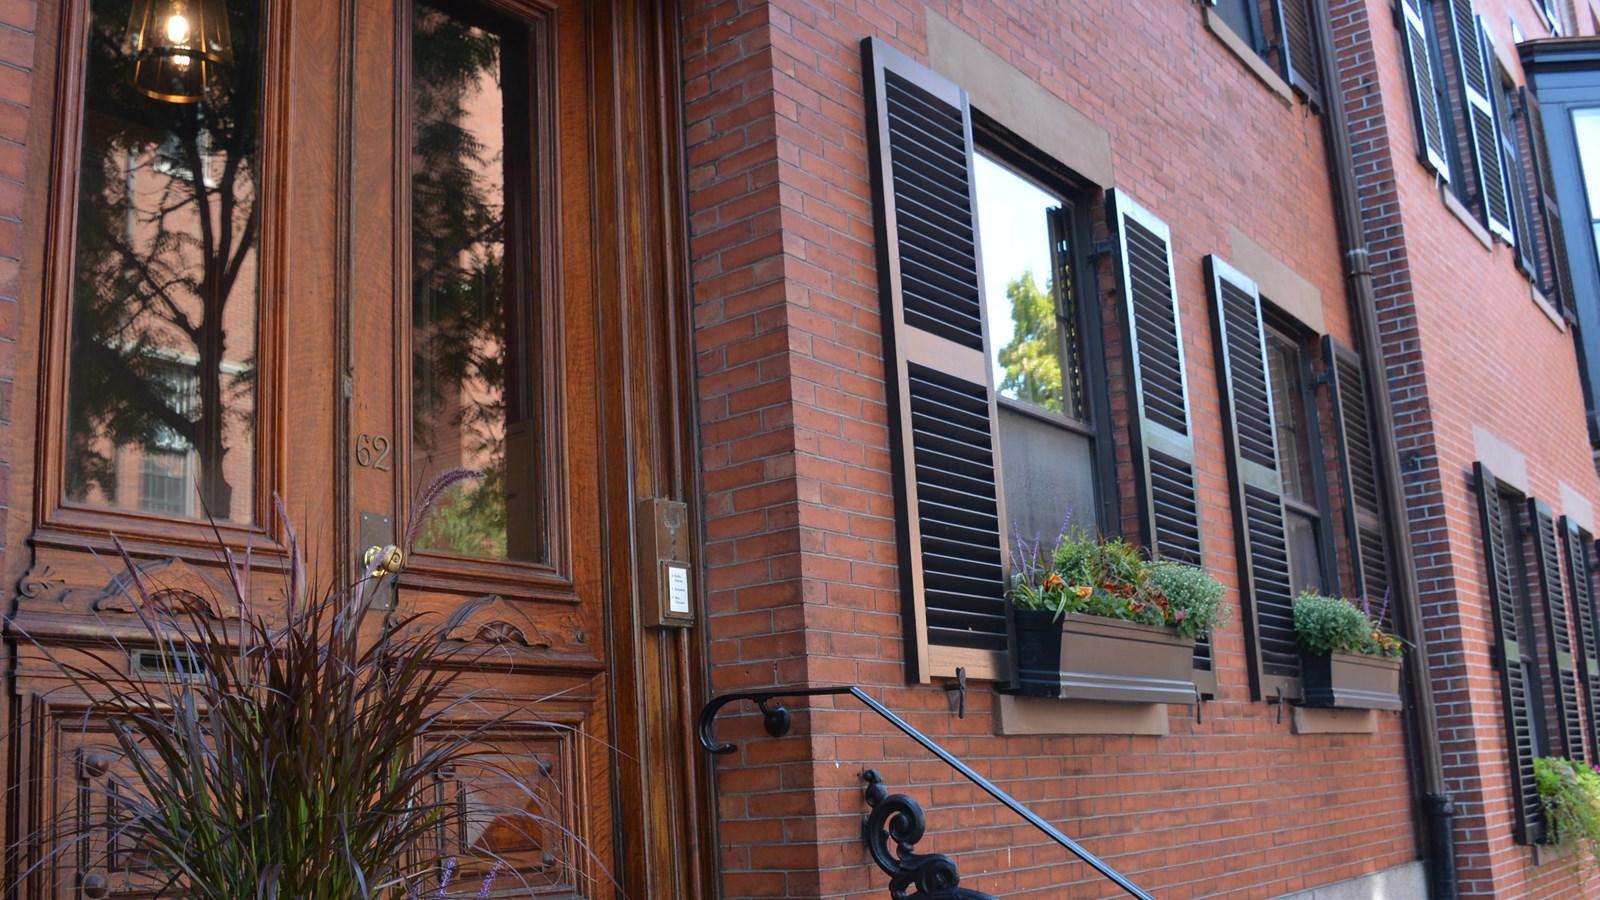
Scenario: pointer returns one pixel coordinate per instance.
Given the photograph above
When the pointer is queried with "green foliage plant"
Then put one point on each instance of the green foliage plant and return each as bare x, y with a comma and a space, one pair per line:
1194, 595
300, 755
1109, 577
1327, 624
1032, 360
1571, 795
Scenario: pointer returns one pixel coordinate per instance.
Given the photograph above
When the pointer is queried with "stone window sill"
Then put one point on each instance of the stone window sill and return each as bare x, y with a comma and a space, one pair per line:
1310, 720
1253, 62
1459, 209
1043, 716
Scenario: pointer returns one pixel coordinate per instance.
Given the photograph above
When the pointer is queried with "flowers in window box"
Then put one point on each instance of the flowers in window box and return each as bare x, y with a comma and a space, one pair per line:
1336, 625
1112, 578
1571, 794
1347, 660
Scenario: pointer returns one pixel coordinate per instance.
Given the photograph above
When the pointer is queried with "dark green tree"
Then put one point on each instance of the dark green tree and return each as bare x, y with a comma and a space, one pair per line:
466, 378
1032, 360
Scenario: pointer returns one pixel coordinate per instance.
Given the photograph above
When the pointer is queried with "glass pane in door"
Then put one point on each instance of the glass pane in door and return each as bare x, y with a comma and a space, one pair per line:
474, 398
161, 395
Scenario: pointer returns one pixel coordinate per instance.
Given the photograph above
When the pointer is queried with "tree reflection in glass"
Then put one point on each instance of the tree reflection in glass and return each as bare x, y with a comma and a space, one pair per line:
1027, 286
474, 384
164, 311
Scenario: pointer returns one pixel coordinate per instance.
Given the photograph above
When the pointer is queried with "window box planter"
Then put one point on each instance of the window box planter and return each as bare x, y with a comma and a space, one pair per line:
1080, 657
1350, 680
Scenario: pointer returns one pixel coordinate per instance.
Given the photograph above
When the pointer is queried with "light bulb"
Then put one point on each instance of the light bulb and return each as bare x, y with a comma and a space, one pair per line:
180, 51
178, 29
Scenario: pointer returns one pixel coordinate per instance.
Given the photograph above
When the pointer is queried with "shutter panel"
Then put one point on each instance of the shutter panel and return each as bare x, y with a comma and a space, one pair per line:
1552, 16
951, 514
1579, 577
1250, 435
1513, 679
1519, 180
1483, 142
1298, 53
1358, 474
1556, 277
1558, 627
1162, 445
1424, 93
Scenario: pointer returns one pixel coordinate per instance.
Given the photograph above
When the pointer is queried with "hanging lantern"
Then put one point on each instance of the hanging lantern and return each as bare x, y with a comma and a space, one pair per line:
179, 51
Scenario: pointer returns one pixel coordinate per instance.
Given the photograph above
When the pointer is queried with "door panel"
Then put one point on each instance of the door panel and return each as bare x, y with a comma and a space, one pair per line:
453, 360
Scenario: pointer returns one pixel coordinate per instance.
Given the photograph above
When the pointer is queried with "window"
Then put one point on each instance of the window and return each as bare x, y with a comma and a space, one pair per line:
998, 417
1518, 550
1272, 433
475, 385
1027, 248
1360, 494
1580, 577
1522, 694
1299, 460
1483, 136
165, 487
1281, 33
165, 273
1244, 17
1586, 133
1561, 707
1560, 107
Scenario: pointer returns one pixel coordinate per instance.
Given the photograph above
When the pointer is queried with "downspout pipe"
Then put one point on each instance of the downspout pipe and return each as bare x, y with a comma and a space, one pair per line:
1438, 808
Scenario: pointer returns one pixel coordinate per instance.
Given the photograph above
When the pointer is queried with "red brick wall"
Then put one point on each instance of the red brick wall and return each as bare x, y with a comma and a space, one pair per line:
16, 70
799, 505
1465, 347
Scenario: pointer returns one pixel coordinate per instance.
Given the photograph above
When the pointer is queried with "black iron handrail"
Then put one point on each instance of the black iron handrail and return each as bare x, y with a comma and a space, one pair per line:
778, 720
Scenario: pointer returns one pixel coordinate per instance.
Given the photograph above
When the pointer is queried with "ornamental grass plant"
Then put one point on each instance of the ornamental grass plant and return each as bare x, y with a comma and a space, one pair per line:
1083, 573
299, 755
1571, 794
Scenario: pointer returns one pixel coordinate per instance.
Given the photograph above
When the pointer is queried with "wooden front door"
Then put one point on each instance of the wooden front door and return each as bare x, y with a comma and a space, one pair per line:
429, 236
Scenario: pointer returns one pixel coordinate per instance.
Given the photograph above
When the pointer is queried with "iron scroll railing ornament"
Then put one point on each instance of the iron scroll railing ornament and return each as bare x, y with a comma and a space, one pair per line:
777, 720
894, 826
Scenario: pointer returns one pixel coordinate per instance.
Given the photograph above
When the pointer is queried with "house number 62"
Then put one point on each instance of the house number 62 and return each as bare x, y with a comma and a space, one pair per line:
372, 450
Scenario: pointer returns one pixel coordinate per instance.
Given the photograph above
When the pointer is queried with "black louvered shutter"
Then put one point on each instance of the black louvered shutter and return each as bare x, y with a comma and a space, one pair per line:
1579, 578
1520, 185
1557, 626
1358, 475
1483, 141
1424, 91
1297, 51
1555, 278
1250, 437
951, 514
1513, 678
1162, 445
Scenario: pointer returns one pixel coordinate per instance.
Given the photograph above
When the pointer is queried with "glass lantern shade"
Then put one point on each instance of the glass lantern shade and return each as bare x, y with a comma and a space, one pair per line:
179, 51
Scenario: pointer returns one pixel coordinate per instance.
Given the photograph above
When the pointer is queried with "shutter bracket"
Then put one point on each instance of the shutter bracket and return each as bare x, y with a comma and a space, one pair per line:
1106, 247
959, 688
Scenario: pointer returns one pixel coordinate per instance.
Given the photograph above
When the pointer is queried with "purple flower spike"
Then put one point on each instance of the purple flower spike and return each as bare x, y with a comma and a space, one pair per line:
488, 880
445, 876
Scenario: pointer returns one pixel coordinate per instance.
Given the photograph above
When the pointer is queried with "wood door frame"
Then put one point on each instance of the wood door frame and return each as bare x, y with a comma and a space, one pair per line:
645, 268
